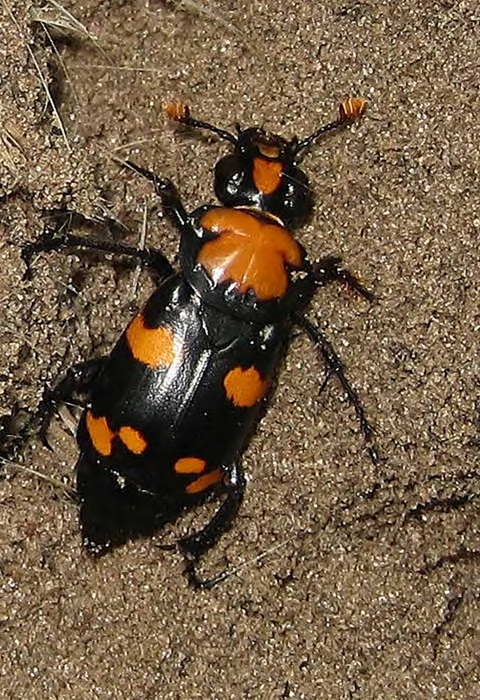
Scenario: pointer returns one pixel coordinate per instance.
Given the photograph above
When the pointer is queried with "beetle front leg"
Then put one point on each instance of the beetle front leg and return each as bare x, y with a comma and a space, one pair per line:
53, 240
168, 194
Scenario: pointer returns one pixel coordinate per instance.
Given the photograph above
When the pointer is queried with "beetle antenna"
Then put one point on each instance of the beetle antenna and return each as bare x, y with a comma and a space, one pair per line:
349, 111
181, 113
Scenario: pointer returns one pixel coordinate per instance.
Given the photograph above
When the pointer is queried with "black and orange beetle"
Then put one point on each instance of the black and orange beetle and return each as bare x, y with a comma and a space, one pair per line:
168, 413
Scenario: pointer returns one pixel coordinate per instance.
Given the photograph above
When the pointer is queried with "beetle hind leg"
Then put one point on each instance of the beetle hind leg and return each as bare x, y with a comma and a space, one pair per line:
197, 544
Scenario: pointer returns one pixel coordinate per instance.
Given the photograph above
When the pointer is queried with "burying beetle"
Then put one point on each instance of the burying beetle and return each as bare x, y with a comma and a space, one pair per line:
169, 411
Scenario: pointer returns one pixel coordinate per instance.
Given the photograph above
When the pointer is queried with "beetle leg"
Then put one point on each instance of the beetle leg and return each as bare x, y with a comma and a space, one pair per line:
171, 202
193, 546
77, 382
329, 270
334, 366
49, 241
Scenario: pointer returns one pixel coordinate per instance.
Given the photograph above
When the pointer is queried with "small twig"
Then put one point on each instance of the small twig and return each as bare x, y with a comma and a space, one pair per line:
230, 572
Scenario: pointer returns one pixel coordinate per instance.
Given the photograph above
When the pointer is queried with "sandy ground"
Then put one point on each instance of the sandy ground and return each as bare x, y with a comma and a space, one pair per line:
360, 581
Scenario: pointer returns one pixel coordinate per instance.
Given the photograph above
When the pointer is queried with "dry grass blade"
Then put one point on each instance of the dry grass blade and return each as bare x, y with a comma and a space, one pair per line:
42, 80
68, 490
133, 69
141, 246
250, 562
50, 100
63, 20
60, 60
196, 8
12, 152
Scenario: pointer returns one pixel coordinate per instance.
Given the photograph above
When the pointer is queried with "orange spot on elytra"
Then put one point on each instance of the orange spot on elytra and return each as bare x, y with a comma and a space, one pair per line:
100, 434
132, 439
190, 465
249, 251
151, 346
205, 481
244, 387
267, 175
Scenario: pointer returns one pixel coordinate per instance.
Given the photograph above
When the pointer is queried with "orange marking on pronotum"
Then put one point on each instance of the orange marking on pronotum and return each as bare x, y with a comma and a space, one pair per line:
151, 346
205, 481
244, 387
249, 251
189, 465
132, 439
267, 175
271, 150
100, 434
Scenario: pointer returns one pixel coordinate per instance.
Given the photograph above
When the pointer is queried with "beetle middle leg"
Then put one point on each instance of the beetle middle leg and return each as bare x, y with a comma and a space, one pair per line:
55, 239
335, 366
75, 384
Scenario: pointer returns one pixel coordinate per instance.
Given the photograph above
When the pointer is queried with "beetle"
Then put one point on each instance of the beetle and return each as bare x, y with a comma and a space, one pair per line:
169, 412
